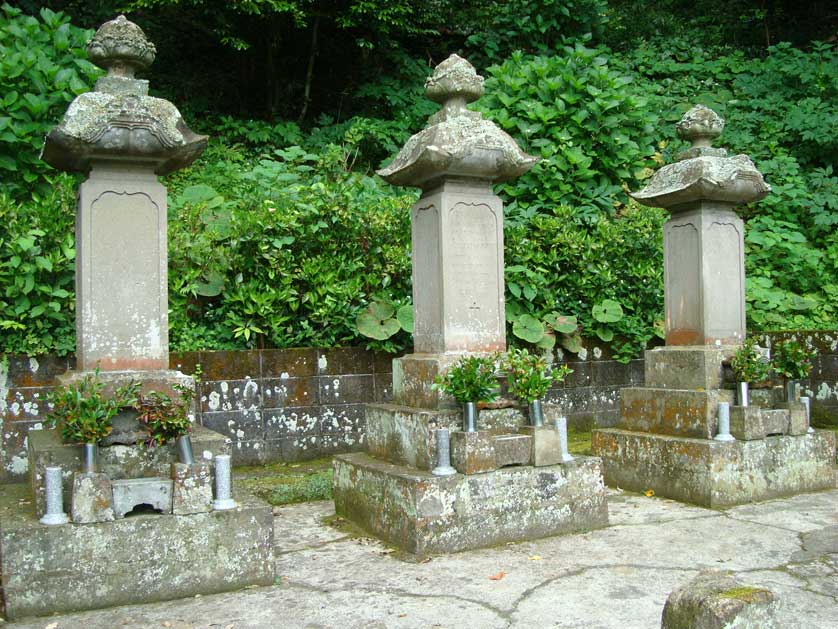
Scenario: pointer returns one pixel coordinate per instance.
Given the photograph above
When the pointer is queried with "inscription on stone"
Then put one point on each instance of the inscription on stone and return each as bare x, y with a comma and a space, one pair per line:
427, 279
725, 281
683, 283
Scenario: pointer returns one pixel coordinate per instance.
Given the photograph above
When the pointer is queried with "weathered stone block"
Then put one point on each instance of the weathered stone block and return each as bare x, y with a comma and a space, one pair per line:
46, 448
512, 450
546, 449
191, 488
716, 474
92, 499
141, 559
132, 492
746, 423
775, 421
798, 422
678, 412
686, 367
717, 600
425, 514
473, 452
413, 377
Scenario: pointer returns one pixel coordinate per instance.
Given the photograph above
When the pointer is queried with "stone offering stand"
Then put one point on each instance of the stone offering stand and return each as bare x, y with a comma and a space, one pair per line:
668, 439
183, 543
512, 483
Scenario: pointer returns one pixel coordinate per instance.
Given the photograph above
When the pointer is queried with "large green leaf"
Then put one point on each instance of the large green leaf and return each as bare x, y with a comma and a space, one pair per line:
607, 311
564, 324
528, 328
377, 322
404, 315
571, 342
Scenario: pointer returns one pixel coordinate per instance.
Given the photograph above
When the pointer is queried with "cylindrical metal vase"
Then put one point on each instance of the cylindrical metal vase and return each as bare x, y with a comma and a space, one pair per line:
470, 416
536, 414
90, 458
792, 391
742, 393
184, 449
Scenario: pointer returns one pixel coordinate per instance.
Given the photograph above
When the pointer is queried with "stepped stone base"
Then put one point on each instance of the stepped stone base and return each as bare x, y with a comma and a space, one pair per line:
425, 514
713, 473
140, 559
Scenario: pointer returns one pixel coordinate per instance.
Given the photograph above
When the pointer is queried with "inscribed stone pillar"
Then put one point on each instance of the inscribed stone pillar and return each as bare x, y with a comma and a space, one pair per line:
704, 260
457, 231
122, 139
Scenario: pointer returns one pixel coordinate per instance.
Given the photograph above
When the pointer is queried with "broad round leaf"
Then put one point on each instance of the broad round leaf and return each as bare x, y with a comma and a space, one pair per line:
374, 328
548, 341
607, 311
605, 334
405, 318
564, 324
571, 342
381, 310
528, 328
212, 285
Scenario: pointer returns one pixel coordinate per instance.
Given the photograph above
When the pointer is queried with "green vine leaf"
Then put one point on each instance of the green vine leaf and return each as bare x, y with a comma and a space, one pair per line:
528, 328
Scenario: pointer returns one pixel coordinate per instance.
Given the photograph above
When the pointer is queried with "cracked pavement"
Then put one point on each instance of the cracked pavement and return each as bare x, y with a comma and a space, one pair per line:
618, 577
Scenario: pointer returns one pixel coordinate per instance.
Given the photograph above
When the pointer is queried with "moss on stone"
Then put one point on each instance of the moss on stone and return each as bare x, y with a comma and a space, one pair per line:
288, 483
747, 594
579, 441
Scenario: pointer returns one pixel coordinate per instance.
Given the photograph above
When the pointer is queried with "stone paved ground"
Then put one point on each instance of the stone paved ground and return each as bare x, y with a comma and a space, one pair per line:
617, 577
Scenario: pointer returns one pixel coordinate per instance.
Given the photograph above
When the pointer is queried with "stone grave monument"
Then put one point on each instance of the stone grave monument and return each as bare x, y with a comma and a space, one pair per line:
669, 439
498, 494
122, 139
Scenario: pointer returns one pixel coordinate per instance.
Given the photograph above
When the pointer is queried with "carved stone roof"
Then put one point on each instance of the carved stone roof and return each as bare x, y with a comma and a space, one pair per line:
119, 120
703, 173
457, 142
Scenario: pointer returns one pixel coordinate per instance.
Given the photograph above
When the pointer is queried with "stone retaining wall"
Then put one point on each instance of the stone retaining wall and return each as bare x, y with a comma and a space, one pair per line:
296, 404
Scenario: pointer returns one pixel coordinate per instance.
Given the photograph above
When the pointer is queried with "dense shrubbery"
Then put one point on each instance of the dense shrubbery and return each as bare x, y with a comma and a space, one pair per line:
279, 236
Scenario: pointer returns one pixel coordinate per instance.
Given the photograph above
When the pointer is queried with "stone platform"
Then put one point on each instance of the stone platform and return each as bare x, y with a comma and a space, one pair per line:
140, 559
426, 515
714, 473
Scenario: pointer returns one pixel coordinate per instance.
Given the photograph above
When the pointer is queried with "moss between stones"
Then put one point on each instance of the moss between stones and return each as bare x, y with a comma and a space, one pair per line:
288, 483
747, 594
579, 441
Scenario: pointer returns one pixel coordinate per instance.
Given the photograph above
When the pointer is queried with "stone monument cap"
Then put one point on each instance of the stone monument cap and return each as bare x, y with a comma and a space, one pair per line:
456, 143
118, 120
702, 172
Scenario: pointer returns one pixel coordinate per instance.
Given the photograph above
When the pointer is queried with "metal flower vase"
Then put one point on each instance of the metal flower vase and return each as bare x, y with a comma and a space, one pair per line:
792, 391
742, 393
184, 450
536, 414
90, 458
470, 416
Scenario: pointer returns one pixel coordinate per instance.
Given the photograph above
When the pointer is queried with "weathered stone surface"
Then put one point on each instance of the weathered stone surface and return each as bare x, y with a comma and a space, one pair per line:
192, 488
546, 449
405, 435
425, 514
45, 448
142, 559
512, 450
686, 367
473, 452
716, 474
798, 423
717, 600
92, 498
747, 423
775, 421
133, 492
457, 142
686, 413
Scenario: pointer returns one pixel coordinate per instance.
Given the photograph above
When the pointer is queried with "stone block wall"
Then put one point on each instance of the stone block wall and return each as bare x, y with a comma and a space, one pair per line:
296, 404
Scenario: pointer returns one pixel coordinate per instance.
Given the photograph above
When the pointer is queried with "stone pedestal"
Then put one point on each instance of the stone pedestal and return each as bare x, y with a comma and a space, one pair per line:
142, 559
92, 498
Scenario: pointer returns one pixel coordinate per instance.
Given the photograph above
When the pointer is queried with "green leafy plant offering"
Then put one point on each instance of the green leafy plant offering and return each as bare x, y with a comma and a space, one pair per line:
84, 413
792, 360
529, 376
748, 364
471, 379
165, 417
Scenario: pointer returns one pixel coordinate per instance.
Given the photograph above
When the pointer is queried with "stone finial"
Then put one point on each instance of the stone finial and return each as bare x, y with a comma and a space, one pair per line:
702, 172
454, 78
700, 125
118, 120
121, 48
456, 143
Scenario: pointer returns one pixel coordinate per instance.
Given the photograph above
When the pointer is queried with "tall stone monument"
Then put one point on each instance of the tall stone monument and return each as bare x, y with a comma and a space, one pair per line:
511, 482
122, 139
666, 440
456, 231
